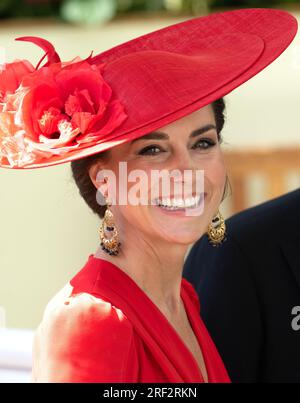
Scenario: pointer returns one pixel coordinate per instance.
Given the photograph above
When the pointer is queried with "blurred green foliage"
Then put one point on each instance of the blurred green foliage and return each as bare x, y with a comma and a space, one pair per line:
99, 11
252, 3
28, 8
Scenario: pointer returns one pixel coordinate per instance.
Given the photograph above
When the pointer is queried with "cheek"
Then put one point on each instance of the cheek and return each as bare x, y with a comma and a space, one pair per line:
135, 217
218, 173
215, 173
133, 190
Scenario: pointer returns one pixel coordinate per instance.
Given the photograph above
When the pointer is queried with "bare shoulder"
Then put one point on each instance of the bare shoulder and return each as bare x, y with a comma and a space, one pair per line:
79, 333
67, 310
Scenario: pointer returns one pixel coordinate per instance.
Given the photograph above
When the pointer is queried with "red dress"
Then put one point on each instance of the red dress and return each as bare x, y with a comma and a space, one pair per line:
111, 331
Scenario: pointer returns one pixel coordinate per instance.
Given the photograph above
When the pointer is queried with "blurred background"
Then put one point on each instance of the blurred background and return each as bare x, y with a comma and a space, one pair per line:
47, 232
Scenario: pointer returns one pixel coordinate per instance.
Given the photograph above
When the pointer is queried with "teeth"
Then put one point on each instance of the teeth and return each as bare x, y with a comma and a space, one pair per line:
178, 202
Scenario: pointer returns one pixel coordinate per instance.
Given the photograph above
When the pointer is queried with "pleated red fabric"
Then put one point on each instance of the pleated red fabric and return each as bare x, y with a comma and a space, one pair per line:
111, 331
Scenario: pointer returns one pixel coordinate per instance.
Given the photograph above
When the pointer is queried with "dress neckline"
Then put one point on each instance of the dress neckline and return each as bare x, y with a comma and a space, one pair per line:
185, 299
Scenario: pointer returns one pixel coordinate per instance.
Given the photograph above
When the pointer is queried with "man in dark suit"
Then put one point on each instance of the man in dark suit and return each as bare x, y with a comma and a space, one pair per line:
249, 291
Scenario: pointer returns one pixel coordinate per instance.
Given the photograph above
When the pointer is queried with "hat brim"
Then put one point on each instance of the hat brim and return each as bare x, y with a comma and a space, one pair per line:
248, 41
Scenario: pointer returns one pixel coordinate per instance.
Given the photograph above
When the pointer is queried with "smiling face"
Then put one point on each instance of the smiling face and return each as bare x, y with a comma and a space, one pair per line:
188, 144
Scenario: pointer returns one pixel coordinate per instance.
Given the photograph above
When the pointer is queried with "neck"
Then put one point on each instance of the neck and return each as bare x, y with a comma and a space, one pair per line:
155, 265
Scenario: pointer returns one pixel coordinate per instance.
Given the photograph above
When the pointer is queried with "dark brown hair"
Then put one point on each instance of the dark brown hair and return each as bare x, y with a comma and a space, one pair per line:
80, 168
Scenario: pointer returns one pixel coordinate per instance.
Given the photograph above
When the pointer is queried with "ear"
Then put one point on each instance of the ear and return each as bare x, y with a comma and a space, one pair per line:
99, 181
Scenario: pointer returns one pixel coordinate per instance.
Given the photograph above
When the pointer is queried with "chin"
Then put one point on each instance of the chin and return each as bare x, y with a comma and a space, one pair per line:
185, 238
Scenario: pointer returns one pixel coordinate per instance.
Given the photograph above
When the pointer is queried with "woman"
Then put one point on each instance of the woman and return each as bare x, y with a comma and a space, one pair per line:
128, 316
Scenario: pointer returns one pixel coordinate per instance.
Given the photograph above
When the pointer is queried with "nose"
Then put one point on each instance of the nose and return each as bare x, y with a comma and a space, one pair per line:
183, 171
182, 161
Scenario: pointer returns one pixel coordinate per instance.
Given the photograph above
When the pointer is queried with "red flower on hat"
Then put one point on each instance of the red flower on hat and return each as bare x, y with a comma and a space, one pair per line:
54, 109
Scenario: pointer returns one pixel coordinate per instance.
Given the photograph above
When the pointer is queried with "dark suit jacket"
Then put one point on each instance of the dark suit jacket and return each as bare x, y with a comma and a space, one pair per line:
249, 291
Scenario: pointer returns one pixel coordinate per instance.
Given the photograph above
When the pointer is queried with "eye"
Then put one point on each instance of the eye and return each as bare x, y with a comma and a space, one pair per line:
149, 150
205, 144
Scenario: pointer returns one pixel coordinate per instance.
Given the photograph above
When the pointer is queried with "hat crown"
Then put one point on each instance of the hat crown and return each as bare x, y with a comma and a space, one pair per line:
173, 80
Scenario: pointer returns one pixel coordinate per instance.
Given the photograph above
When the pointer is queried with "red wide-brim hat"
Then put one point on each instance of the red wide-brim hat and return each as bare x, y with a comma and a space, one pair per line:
64, 111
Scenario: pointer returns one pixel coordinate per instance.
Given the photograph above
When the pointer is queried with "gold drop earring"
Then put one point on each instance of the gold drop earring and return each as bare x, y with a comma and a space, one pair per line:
216, 231
109, 234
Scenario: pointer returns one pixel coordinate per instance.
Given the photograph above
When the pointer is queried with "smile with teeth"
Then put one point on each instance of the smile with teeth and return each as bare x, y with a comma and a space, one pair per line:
178, 203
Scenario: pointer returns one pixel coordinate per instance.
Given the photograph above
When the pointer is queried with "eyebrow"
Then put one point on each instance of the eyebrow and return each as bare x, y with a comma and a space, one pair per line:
157, 135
